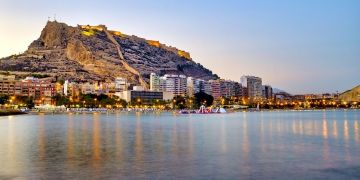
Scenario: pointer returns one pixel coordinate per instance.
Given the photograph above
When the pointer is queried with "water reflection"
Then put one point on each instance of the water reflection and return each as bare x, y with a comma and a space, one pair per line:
191, 138
41, 137
70, 137
118, 139
138, 140
245, 140
159, 139
335, 129
325, 129
96, 140
326, 150
223, 136
84, 132
258, 145
346, 137
356, 131
346, 130
12, 149
174, 139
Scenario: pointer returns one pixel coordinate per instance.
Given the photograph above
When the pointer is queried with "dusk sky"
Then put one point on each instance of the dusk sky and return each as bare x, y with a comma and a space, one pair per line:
307, 46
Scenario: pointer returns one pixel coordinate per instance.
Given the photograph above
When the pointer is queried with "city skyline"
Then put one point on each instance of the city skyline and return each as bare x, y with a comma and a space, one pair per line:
307, 47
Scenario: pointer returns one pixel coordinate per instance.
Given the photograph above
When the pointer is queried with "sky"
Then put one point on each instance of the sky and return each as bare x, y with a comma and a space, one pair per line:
307, 46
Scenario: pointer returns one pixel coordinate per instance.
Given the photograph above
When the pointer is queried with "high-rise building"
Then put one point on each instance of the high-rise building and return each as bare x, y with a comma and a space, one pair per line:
253, 85
66, 87
191, 86
267, 92
207, 87
238, 89
175, 84
154, 82
215, 88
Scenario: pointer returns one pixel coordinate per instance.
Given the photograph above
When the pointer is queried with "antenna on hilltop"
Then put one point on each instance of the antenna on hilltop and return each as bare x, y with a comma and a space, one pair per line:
54, 17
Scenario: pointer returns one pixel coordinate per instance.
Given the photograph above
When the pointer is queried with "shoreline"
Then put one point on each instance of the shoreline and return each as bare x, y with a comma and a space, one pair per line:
11, 113
176, 111
229, 111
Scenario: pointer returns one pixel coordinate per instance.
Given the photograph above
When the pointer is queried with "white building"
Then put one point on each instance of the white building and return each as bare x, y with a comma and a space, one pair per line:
66, 88
175, 84
141, 96
120, 85
194, 86
154, 82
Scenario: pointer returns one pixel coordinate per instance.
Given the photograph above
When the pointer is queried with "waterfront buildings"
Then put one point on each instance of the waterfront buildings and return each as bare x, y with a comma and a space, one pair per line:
40, 90
167, 86
206, 87
215, 88
143, 97
8, 84
230, 89
175, 84
194, 86
253, 86
267, 92
155, 82
181, 85
66, 87
88, 88
120, 85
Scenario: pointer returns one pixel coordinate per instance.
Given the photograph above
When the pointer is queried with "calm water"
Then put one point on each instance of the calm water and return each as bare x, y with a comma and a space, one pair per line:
252, 145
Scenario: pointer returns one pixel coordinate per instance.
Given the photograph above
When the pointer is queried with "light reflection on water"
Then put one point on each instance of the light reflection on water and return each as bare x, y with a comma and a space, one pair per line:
255, 145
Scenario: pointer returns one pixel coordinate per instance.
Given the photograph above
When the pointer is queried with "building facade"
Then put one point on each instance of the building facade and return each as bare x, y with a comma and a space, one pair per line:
120, 85
175, 84
267, 92
40, 90
253, 86
144, 97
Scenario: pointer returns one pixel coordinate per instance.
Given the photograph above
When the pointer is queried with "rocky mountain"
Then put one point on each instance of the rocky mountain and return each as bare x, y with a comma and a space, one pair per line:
94, 53
351, 95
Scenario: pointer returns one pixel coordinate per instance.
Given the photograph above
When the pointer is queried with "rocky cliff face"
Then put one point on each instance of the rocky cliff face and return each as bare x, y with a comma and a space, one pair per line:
94, 53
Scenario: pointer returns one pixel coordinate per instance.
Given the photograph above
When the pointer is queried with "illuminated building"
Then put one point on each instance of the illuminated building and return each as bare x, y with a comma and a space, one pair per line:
175, 84
40, 90
253, 85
